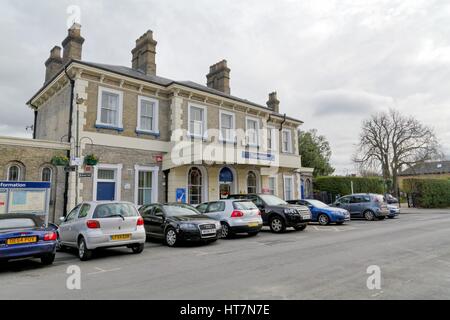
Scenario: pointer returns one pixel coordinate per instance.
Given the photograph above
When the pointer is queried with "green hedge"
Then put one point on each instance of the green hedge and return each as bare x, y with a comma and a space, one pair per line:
342, 185
429, 193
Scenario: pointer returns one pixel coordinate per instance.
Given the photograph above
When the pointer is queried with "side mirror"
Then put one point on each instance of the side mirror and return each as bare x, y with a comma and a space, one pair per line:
62, 219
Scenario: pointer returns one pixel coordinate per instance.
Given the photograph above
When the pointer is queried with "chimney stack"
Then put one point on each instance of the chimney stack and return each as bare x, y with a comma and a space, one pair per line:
219, 77
54, 63
273, 103
144, 54
73, 44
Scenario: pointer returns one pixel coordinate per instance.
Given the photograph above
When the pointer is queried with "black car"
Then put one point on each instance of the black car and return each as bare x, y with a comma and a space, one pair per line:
176, 222
277, 213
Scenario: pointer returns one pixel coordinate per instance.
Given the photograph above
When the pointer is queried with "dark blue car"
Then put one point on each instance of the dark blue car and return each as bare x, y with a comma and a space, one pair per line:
323, 213
24, 236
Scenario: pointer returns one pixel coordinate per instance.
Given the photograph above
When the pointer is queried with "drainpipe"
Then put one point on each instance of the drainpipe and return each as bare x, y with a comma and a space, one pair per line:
69, 138
166, 187
283, 122
35, 120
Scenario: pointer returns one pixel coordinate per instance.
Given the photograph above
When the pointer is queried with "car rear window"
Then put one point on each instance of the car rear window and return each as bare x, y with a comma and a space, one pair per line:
111, 210
17, 223
244, 205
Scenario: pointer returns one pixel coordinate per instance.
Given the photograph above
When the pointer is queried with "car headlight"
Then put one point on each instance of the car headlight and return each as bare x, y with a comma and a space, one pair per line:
218, 225
188, 226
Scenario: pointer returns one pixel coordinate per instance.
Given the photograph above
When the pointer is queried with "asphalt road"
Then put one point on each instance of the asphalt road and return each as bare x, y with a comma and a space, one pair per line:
413, 253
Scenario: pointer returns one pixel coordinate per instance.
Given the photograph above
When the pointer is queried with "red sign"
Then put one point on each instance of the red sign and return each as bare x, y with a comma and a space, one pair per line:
159, 158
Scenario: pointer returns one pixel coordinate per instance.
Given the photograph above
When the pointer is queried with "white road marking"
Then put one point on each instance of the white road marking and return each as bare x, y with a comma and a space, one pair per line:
100, 270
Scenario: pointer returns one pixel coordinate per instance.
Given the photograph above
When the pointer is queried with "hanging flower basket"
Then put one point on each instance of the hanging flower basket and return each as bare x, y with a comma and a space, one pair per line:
60, 161
90, 160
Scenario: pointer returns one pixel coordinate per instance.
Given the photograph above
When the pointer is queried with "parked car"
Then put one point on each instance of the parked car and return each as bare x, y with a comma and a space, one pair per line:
25, 236
177, 222
364, 205
235, 216
323, 213
390, 199
277, 213
394, 210
102, 224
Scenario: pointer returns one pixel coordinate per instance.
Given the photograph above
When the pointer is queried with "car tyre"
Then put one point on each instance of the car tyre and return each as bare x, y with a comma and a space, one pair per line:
323, 219
277, 224
83, 252
171, 237
227, 233
138, 248
300, 228
48, 259
369, 215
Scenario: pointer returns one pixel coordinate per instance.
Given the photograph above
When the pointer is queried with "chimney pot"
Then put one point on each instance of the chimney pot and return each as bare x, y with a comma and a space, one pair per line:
219, 77
54, 63
73, 44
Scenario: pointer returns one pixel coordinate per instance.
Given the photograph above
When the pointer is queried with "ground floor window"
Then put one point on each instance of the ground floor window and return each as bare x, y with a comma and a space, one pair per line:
195, 186
226, 183
272, 185
46, 174
251, 182
13, 173
288, 188
144, 187
107, 182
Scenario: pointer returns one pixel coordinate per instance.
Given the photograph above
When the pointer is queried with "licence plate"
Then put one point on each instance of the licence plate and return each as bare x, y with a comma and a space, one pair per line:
253, 224
306, 217
120, 237
208, 231
22, 240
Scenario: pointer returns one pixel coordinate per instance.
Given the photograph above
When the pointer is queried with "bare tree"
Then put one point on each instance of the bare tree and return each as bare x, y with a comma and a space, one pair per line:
390, 141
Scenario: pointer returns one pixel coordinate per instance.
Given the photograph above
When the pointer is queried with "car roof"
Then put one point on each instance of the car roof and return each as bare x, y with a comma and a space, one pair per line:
106, 202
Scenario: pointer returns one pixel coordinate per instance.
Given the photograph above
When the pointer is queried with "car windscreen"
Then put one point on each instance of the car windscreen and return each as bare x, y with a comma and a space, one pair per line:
180, 210
317, 204
272, 200
17, 223
112, 210
244, 205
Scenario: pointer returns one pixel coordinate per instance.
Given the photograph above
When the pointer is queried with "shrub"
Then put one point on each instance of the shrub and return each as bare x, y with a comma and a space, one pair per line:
342, 185
429, 193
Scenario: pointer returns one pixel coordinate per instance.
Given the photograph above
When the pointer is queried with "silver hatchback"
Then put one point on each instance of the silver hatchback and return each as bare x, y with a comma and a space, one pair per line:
236, 216
102, 224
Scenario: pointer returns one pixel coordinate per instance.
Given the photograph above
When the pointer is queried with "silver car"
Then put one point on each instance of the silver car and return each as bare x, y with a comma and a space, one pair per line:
236, 216
102, 224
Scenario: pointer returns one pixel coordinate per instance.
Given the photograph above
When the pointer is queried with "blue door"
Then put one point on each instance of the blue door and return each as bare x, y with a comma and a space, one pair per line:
302, 189
106, 191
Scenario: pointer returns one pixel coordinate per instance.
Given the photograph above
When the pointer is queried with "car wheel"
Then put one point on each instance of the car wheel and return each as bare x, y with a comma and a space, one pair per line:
83, 252
369, 216
277, 224
300, 228
323, 219
48, 259
138, 248
226, 231
171, 237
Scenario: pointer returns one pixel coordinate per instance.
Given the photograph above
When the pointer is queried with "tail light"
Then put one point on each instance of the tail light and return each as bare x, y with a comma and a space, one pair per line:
258, 213
140, 221
237, 214
93, 224
51, 236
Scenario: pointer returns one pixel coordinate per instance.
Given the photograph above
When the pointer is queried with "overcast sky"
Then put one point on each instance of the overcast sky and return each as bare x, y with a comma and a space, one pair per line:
333, 63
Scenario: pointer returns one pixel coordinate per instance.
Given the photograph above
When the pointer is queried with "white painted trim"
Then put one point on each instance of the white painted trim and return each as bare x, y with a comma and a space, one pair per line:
258, 127
19, 172
258, 180
155, 123
33, 143
155, 172
205, 179
289, 150
273, 133
42, 170
117, 179
292, 186
205, 119
233, 129
275, 192
99, 106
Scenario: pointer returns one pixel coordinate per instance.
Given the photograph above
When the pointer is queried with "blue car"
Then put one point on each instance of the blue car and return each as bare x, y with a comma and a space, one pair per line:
323, 213
24, 236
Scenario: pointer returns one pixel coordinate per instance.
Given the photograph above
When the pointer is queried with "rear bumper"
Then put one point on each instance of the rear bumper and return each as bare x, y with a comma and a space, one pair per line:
245, 225
27, 251
246, 228
104, 241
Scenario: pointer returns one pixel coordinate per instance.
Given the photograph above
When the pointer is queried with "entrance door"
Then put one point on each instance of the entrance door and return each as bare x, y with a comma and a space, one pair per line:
225, 190
226, 180
106, 191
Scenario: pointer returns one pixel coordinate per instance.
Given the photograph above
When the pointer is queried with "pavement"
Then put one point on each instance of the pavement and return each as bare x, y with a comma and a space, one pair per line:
323, 262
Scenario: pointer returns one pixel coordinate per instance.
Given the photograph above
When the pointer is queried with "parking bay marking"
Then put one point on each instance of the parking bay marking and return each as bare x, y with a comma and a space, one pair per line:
100, 270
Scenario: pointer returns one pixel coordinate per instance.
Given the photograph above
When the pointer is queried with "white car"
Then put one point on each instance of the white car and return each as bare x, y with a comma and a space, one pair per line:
236, 216
102, 224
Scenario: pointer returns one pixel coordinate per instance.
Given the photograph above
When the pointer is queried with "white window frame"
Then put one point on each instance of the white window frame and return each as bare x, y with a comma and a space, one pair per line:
19, 172
98, 122
155, 171
289, 149
51, 173
117, 179
292, 187
258, 124
273, 133
205, 117
155, 124
233, 129
275, 191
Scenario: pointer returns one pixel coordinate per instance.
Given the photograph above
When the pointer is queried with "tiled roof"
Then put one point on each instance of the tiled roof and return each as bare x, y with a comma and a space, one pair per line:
434, 167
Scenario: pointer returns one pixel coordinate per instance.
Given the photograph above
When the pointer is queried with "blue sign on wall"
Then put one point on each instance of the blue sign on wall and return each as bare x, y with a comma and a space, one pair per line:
258, 156
24, 185
181, 195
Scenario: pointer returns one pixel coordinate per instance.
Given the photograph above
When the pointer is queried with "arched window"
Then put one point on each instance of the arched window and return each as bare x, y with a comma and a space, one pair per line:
46, 174
251, 182
195, 186
14, 173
